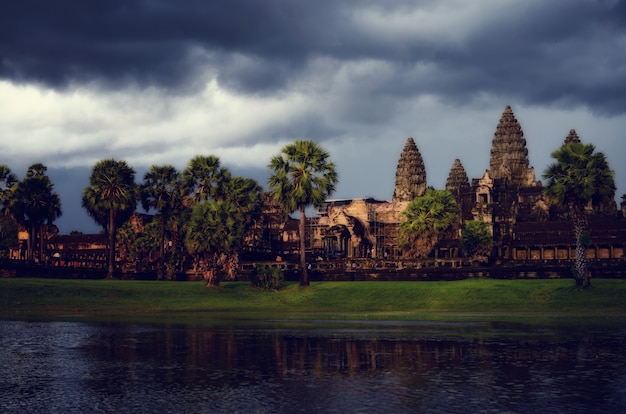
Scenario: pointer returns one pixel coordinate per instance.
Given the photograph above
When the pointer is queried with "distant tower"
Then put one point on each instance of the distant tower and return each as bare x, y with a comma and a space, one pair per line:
410, 174
458, 184
509, 155
457, 179
572, 137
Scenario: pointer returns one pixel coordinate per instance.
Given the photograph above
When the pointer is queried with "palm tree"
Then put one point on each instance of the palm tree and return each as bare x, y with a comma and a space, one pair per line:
302, 175
426, 219
111, 193
34, 204
8, 226
579, 180
159, 191
7, 185
203, 179
247, 195
216, 230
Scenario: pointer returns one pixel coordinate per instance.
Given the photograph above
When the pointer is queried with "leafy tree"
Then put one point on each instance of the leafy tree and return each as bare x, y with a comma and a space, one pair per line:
159, 191
34, 204
205, 179
111, 194
215, 231
579, 180
302, 175
426, 219
476, 239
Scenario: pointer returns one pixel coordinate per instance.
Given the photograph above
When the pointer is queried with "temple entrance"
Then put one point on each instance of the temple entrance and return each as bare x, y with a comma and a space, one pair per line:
340, 242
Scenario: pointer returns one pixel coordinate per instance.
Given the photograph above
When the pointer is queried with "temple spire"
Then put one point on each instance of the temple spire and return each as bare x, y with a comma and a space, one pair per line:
410, 174
457, 178
509, 155
572, 137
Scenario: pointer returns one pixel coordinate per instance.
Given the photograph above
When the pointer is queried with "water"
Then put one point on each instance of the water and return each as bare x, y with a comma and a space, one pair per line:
340, 367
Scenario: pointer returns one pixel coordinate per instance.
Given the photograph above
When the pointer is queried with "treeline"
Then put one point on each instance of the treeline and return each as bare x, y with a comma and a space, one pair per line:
203, 211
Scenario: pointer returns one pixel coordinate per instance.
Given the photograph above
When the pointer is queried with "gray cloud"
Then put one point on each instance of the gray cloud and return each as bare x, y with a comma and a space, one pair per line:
558, 52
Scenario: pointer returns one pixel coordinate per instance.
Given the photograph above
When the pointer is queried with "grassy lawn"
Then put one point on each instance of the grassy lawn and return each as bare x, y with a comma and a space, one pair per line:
322, 300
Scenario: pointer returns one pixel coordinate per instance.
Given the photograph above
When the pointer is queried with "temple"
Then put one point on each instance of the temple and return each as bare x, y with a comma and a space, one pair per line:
524, 224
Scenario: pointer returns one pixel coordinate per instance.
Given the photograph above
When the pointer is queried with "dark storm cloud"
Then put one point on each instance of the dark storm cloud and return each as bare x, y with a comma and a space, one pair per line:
565, 53
145, 41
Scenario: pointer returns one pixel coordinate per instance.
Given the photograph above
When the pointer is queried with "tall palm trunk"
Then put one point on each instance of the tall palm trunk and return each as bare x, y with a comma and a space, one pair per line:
40, 241
304, 275
580, 227
30, 243
111, 264
161, 271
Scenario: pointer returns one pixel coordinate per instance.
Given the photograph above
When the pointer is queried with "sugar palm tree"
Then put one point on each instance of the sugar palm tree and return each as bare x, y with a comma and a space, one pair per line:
33, 204
159, 191
579, 180
110, 199
302, 175
426, 219
247, 195
8, 226
7, 185
203, 179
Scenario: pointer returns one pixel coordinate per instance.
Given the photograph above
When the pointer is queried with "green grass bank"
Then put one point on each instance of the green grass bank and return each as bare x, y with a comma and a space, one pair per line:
26, 297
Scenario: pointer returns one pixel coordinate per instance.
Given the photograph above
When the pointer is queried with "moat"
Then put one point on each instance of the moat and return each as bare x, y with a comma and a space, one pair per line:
562, 365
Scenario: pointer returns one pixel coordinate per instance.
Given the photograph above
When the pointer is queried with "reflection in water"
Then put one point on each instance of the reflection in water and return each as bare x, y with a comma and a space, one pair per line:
420, 367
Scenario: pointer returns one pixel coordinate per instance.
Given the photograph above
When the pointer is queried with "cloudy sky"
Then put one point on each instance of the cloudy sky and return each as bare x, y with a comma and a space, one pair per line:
159, 82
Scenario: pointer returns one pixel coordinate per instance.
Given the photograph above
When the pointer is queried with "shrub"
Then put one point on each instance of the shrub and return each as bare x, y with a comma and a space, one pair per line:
268, 278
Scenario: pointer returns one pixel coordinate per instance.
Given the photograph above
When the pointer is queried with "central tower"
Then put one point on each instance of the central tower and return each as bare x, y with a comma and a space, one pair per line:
509, 155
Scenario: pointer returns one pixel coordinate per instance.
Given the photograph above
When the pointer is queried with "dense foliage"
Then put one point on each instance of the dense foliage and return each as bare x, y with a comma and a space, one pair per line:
476, 240
425, 220
266, 277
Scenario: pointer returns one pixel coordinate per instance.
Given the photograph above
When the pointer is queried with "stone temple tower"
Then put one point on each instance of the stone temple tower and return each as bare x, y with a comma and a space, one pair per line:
509, 155
457, 179
572, 137
458, 184
410, 174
